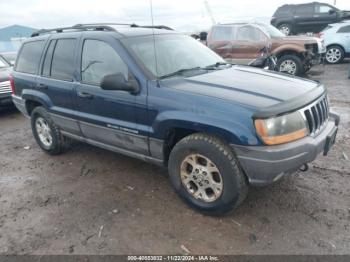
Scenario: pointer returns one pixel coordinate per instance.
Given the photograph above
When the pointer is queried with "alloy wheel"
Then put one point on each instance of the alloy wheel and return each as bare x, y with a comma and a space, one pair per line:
201, 178
333, 55
44, 131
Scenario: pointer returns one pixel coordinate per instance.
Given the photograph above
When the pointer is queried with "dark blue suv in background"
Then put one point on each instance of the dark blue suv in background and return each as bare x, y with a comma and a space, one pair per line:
163, 97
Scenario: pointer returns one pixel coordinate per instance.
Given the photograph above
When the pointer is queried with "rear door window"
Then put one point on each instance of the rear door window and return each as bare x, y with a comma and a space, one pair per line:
29, 58
98, 60
249, 33
304, 10
222, 33
62, 66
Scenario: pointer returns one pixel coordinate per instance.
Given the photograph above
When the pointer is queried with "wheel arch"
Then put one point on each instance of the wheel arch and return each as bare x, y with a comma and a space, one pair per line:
289, 50
34, 98
175, 130
336, 44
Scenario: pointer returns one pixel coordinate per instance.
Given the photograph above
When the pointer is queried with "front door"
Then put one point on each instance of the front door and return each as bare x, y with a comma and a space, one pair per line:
107, 116
324, 15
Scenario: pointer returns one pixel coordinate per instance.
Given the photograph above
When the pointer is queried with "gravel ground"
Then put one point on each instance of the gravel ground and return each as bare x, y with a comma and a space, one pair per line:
91, 201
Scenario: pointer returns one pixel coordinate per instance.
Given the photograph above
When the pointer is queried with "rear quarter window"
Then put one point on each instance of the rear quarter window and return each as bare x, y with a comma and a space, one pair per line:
29, 57
284, 11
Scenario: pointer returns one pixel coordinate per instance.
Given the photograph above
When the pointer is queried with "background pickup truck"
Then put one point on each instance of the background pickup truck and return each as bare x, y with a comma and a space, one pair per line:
241, 43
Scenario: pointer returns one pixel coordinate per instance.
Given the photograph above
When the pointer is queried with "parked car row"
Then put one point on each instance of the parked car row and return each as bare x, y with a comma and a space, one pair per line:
303, 18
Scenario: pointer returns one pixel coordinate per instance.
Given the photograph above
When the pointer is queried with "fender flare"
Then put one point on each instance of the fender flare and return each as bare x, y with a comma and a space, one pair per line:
37, 96
232, 132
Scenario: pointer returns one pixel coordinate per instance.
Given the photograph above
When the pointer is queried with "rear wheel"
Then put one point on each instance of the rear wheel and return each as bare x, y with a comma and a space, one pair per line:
46, 133
285, 29
205, 173
290, 64
335, 54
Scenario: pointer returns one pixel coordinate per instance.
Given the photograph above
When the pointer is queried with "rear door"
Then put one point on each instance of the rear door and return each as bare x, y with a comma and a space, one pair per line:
220, 41
57, 81
108, 116
247, 44
304, 17
324, 14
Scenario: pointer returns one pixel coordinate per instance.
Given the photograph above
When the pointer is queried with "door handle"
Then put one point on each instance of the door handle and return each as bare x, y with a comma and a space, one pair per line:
85, 95
41, 86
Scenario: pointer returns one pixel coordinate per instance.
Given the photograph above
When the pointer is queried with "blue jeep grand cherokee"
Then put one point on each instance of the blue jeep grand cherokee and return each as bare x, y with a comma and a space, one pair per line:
165, 98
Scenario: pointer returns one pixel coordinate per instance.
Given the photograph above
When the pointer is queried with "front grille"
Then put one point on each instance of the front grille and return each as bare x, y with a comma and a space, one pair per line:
316, 115
5, 87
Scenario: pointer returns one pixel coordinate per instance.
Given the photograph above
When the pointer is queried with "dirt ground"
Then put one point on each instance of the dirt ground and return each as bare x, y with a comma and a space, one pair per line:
91, 201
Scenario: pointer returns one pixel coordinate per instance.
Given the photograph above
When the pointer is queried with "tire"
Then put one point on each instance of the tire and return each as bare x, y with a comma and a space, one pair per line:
234, 185
335, 54
291, 62
285, 28
56, 144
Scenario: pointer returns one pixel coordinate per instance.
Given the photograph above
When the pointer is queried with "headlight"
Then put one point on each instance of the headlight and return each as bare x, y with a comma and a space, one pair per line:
281, 129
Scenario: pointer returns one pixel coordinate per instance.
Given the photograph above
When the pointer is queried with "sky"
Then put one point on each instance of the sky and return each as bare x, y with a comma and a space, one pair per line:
182, 15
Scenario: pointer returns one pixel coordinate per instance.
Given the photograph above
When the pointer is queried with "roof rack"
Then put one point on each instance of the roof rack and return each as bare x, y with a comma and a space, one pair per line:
93, 27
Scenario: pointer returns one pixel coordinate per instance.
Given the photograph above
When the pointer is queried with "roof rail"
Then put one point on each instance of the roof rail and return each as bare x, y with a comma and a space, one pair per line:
95, 26
77, 27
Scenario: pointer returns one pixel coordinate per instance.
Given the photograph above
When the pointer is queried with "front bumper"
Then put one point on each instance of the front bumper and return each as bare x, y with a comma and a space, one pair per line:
318, 59
264, 165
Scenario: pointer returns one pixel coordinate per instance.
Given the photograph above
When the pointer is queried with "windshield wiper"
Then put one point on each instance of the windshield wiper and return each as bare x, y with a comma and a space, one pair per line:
179, 72
216, 65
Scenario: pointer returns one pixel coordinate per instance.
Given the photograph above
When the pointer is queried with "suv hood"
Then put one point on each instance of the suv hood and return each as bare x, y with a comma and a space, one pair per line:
4, 73
252, 87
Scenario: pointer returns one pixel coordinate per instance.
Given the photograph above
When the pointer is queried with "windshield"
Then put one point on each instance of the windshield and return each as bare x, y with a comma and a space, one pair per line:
272, 31
10, 58
173, 53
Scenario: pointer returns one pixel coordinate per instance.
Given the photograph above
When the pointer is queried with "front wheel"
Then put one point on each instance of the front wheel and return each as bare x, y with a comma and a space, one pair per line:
205, 173
290, 64
334, 54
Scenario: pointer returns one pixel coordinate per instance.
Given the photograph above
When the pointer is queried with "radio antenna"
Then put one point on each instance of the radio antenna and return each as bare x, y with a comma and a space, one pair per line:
154, 43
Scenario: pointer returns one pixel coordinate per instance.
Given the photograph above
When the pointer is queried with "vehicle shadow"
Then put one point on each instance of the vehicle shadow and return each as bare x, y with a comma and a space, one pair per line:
8, 111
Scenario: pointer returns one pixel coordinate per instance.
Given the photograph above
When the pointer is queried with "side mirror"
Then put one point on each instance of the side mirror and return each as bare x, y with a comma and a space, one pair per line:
331, 11
118, 82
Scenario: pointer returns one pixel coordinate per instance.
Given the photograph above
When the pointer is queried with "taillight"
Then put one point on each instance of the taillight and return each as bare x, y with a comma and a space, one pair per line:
12, 84
320, 35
